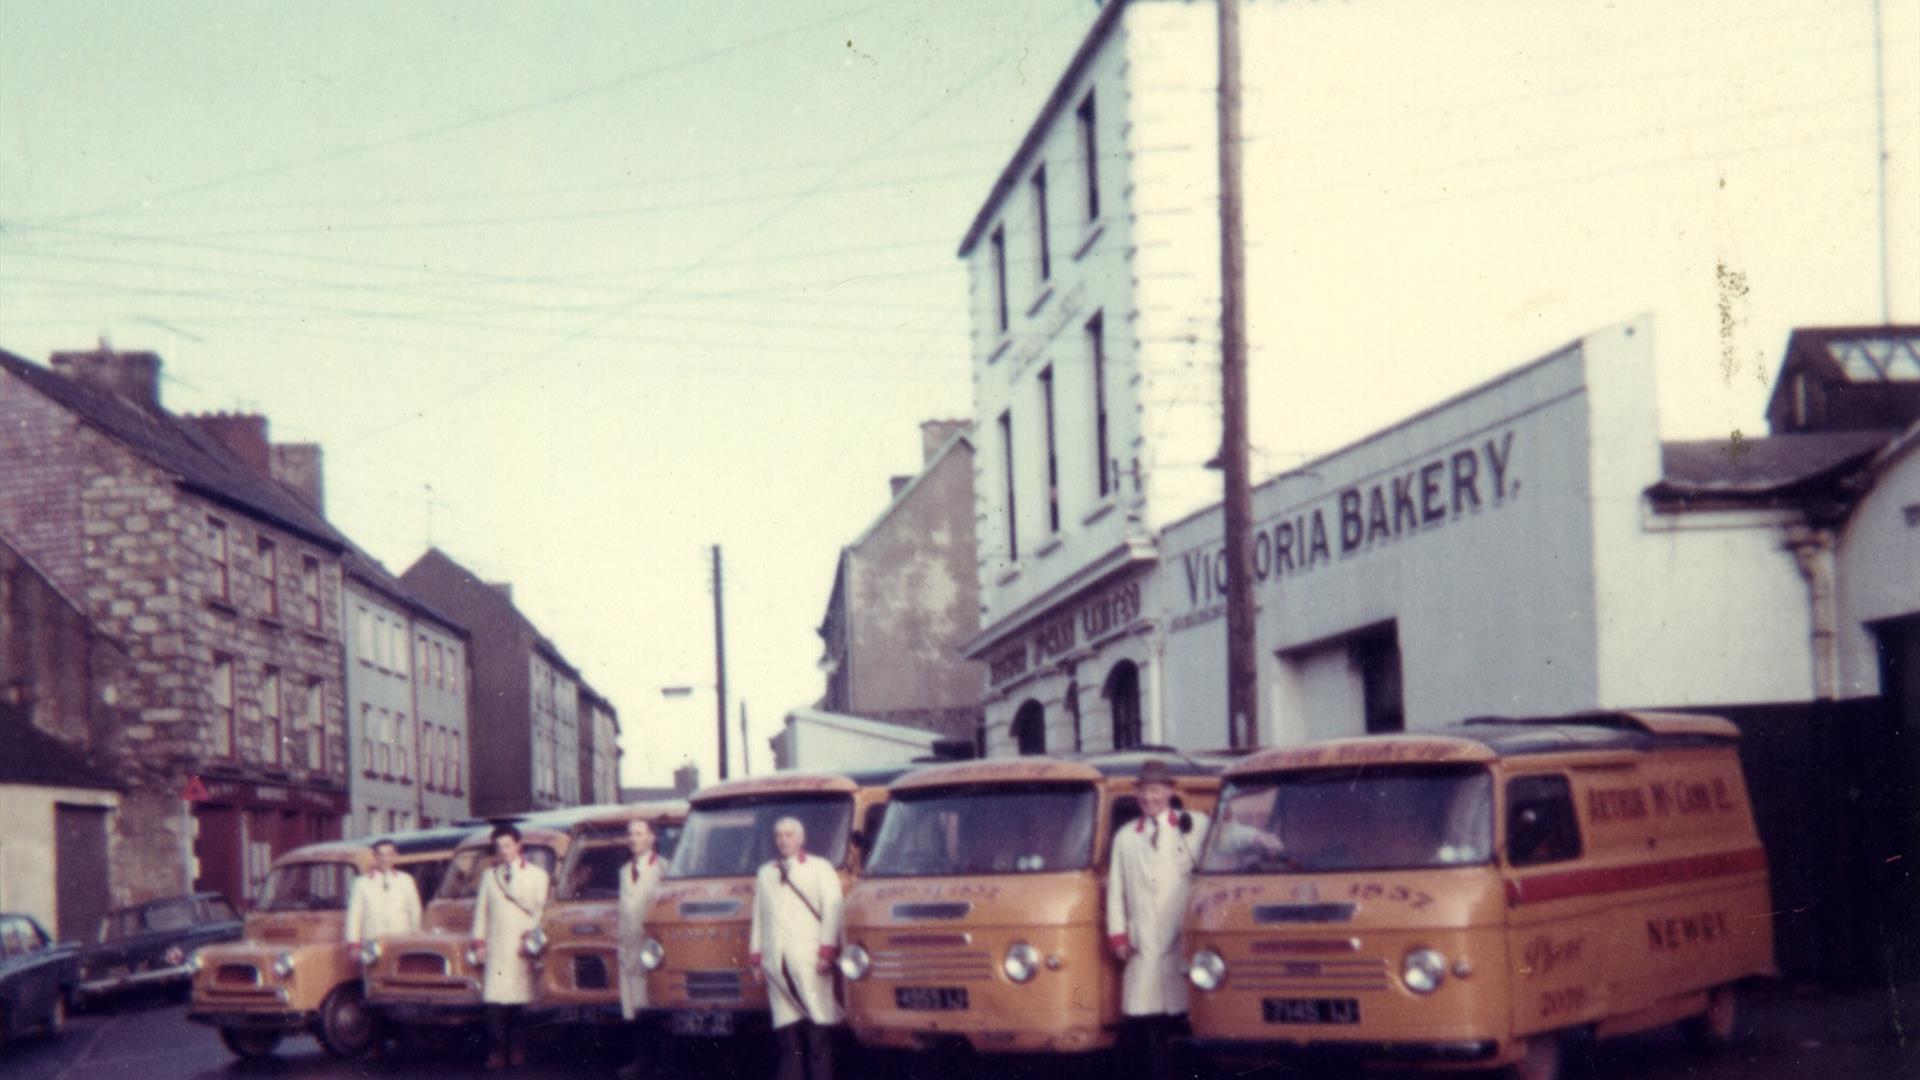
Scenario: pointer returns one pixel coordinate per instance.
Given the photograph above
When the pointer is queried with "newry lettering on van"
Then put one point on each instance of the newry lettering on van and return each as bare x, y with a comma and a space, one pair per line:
1426, 495
1674, 933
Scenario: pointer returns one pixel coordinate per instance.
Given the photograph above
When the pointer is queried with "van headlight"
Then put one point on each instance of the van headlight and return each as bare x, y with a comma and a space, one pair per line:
283, 965
1208, 970
1022, 961
1423, 970
369, 953
472, 957
535, 942
652, 954
855, 963
194, 963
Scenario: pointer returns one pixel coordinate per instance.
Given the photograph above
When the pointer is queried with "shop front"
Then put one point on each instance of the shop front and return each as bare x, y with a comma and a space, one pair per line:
242, 826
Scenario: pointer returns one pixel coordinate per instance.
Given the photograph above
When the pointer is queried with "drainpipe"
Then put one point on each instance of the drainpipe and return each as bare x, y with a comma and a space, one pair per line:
1812, 549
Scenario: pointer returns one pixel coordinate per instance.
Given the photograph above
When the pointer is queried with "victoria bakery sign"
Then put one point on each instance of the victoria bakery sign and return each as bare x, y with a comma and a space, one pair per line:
1393, 506
1099, 616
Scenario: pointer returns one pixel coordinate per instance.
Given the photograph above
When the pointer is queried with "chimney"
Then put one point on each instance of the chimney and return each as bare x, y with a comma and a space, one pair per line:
935, 433
134, 377
898, 484
686, 779
297, 466
243, 434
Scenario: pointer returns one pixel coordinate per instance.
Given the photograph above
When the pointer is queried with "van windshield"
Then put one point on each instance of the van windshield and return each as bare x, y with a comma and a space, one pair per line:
462, 881
307, 886
733, 837
1370, 818
1002, 829
594, 862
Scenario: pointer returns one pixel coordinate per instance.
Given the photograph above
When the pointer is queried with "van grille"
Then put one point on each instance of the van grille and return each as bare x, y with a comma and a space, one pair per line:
237, 975
589, 972
1268, 914
422, 963
713, 986
933, 965
1311, 976
931, 911
709, 909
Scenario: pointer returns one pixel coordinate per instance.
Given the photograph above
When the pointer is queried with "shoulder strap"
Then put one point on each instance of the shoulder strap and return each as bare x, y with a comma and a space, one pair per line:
508, 896
788, 882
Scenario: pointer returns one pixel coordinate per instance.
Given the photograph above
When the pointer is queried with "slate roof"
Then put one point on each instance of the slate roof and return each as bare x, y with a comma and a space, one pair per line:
1776, 470
371, 572
33, 757
178, 447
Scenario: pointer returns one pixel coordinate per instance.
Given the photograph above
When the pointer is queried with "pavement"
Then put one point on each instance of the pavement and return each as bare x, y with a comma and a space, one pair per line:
1783, 1032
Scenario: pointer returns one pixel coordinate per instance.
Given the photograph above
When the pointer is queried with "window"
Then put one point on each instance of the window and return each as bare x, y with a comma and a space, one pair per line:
1541, 826
1000, 276
1053, 460
399, 645
1006, 451
402, 733
456, 666
1097, 347
1123, 699
454, 759
223, 729
314, 725
1044, 250
217, 557
1090, 153
310, 589
270, 721
363, 632
268, 565
1030, 729
369, 738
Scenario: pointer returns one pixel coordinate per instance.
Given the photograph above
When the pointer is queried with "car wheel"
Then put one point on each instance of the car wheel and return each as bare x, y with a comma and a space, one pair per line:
56, 1023
1539, 1061
1713, 1028
346, 1027
248, 1043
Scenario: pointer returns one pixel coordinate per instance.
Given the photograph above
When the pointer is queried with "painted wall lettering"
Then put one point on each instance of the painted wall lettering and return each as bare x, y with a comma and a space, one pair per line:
1104, 614
1422, 496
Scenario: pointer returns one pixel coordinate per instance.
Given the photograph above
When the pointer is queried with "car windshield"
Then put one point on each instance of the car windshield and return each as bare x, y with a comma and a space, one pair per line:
470, 865
1368, 818
170, 915
1001, 829
732, 838
594, 862
307, 886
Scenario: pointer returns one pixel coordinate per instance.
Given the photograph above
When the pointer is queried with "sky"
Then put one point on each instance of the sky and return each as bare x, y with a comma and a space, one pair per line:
576, 292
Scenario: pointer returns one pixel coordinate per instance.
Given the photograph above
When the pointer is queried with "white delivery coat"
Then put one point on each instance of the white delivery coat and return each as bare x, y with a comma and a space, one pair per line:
637, 885
381, 904
509, 906
1152, 868
788, 938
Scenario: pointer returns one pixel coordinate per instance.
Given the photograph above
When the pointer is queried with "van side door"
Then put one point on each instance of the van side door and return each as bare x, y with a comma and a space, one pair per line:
1552, 907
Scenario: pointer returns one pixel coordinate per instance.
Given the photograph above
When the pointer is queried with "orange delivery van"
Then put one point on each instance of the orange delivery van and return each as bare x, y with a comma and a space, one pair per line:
579, 936
291, 973
1473, 896
698, 983
979, 921
431, 978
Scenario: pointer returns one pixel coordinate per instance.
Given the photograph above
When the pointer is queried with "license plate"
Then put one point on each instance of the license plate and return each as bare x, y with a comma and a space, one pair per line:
1310, 1010
700, 1023
930, 997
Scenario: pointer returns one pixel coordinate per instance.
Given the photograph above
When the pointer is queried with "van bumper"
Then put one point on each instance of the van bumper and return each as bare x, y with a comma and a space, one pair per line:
1448, 1052
255, 1021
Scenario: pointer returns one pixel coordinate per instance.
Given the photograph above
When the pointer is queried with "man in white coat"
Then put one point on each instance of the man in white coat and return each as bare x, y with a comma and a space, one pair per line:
383, 901
1152, 869
638, 882
513, 893
794, 941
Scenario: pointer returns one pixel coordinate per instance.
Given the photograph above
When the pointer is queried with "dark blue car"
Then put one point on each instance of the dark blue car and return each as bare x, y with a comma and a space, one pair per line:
148, 946
36, 977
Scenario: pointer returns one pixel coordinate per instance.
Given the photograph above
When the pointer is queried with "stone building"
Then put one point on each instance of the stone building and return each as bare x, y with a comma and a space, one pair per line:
406, 680
599, 748
524, 734
221, 582
905, 598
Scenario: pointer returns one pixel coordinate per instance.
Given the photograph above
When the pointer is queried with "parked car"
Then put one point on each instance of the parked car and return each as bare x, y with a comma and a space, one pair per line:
36, 976
148, 946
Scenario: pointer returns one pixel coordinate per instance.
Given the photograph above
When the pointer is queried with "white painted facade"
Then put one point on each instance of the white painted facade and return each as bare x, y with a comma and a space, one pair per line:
1414, 223
27, 851
406, 683
555, 698
817, 741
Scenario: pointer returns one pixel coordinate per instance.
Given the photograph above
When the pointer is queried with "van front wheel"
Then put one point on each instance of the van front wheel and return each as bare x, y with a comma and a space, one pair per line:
1713, 1028
1539, 1061
346, 1027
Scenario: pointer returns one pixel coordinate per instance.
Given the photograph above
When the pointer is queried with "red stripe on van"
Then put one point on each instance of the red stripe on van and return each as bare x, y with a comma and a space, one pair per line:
1573, 883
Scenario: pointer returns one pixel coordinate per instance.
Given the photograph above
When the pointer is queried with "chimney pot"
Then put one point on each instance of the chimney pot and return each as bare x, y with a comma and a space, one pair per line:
134, 377
935, 433
243, 434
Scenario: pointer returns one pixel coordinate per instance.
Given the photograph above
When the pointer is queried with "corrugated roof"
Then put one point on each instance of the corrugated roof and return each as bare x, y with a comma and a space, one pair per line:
180, 448
1775, 467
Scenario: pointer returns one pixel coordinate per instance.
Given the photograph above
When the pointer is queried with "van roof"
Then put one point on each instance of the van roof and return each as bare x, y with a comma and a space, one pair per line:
669, 810
797, 783
1040, 768
418, 841
1489, 738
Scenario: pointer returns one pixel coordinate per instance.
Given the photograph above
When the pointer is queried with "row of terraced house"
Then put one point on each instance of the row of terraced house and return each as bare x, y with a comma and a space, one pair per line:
198, 671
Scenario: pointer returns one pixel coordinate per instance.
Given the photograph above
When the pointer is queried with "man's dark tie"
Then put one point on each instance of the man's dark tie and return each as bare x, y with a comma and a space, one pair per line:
1154, 840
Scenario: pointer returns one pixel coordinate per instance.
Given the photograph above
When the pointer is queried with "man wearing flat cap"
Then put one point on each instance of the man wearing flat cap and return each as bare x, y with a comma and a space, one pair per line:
1152, 868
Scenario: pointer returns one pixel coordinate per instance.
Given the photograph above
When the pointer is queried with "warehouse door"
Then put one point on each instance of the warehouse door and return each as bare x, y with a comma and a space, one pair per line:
82, 888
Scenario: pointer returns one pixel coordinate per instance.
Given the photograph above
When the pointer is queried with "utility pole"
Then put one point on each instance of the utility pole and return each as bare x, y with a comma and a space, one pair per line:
720, 659
1237, 502
746, 745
